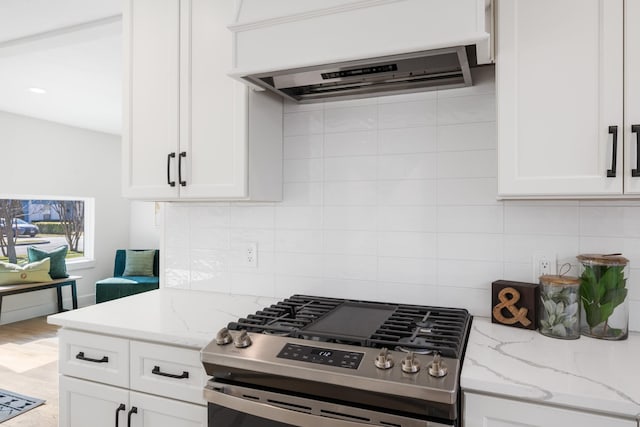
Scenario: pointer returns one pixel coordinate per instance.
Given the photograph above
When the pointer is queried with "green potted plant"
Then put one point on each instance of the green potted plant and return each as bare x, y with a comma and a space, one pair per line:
603, 294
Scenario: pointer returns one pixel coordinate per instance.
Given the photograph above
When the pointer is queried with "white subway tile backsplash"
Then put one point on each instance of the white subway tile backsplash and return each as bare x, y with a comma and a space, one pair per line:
303, 123
350, 242
355, 267
298, 217
519, 248
293, 264
468, 164
407, 270
407, 218
407, 166
466, 109
407, 244
477, 301
350, 119
541, 220
299, 241
468, 274
259, 284
407, 140
392, 199
468, 191
407, 114
467, 137
302, 194
364, 143
302, 170
470, 219
406, 192
302, 147
349, 218
251, 216
350, 193
472, 247
350, 168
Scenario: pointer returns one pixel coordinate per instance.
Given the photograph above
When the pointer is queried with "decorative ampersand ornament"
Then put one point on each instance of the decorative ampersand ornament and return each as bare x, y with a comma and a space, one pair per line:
509, 303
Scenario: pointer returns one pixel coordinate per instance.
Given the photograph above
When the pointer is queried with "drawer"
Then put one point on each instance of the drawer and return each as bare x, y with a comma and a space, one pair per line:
94, 357
174, 372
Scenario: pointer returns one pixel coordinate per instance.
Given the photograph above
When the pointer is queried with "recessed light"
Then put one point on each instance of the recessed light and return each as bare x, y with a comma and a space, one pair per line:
37, 90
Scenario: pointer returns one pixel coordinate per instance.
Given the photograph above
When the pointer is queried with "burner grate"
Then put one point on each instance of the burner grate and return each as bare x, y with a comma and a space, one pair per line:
396, 326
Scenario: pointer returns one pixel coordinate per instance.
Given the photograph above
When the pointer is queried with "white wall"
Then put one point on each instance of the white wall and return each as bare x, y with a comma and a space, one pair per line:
48, 159
144, 226
394, 199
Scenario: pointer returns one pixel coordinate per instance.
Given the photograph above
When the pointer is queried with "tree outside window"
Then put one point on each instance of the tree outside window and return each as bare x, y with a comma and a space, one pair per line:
45, 222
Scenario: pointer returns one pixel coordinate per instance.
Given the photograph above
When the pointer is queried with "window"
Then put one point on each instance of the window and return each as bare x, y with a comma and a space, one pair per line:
47, 223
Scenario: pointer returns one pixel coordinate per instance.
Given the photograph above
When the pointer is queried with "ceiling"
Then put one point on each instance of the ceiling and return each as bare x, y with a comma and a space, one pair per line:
70, 48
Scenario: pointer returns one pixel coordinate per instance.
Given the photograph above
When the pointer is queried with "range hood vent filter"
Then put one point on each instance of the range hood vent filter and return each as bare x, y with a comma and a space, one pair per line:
418, 71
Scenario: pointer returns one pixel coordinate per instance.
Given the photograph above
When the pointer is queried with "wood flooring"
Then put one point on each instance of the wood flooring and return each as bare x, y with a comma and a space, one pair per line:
29, 365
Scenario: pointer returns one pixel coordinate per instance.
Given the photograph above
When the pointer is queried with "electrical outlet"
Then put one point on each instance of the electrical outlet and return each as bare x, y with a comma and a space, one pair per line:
543, 263
251, 255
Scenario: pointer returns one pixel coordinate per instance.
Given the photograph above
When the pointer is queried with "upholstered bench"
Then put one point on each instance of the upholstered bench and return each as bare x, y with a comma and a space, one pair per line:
120, 286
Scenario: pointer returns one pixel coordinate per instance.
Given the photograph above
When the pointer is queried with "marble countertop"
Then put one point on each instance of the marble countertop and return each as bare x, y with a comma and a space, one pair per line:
170, 316
596, 375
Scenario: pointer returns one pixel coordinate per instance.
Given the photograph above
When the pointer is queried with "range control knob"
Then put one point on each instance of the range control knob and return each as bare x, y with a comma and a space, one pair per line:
437, 368
410, 364
242, 340
384, 359
223, 337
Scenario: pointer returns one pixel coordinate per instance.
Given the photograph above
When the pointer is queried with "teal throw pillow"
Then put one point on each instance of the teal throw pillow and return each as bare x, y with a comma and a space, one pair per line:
58, 264
139, 263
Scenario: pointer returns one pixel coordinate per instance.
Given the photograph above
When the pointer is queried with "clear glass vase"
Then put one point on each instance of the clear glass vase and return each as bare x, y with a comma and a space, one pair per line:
559, 314
603, 293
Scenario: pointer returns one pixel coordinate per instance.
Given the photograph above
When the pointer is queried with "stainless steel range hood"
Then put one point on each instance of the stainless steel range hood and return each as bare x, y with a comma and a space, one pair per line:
418, 71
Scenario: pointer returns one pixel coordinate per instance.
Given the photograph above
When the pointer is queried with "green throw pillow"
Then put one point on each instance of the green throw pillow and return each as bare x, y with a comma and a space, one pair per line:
12, 274
139, 263
57, 256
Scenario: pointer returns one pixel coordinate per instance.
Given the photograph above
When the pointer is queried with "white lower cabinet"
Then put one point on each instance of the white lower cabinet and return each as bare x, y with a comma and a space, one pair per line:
488, 411
108, 381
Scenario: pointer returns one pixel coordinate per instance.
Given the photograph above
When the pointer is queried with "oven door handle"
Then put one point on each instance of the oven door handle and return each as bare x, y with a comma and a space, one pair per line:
289, 416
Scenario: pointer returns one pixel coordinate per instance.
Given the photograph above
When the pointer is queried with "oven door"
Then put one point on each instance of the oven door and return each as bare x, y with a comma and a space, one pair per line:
237, 406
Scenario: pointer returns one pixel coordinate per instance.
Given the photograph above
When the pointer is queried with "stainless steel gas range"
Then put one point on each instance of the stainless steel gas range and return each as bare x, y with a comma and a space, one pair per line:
325, 362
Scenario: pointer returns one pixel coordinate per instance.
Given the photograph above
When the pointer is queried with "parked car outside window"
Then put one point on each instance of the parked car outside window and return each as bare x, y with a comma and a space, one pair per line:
22, 227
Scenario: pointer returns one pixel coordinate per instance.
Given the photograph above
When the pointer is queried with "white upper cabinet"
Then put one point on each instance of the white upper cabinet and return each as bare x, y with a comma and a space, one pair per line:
632, 97
561, 88
191, 132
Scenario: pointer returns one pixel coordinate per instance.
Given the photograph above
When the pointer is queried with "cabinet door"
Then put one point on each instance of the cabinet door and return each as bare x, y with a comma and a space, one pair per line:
559, 77
213, 131
632, 97
485, 411
155, 411
85, 403
151, 33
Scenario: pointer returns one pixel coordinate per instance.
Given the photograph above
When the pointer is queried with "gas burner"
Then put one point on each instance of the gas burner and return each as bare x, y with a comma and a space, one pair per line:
416, 350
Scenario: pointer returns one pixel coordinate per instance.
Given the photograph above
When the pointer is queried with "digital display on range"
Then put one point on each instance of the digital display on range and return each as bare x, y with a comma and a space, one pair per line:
322, 356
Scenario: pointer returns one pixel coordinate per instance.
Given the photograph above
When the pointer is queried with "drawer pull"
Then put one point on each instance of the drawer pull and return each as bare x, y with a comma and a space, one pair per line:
169, 157
636, 172
611, 173
156, 371
132, 411
81, 356
120, 408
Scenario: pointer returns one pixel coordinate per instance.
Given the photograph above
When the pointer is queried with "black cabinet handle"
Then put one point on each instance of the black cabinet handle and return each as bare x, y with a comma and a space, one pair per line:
636, 129
169, 157
611, 173
120, 408
182, 154
132, 411
156, 371
81, 356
